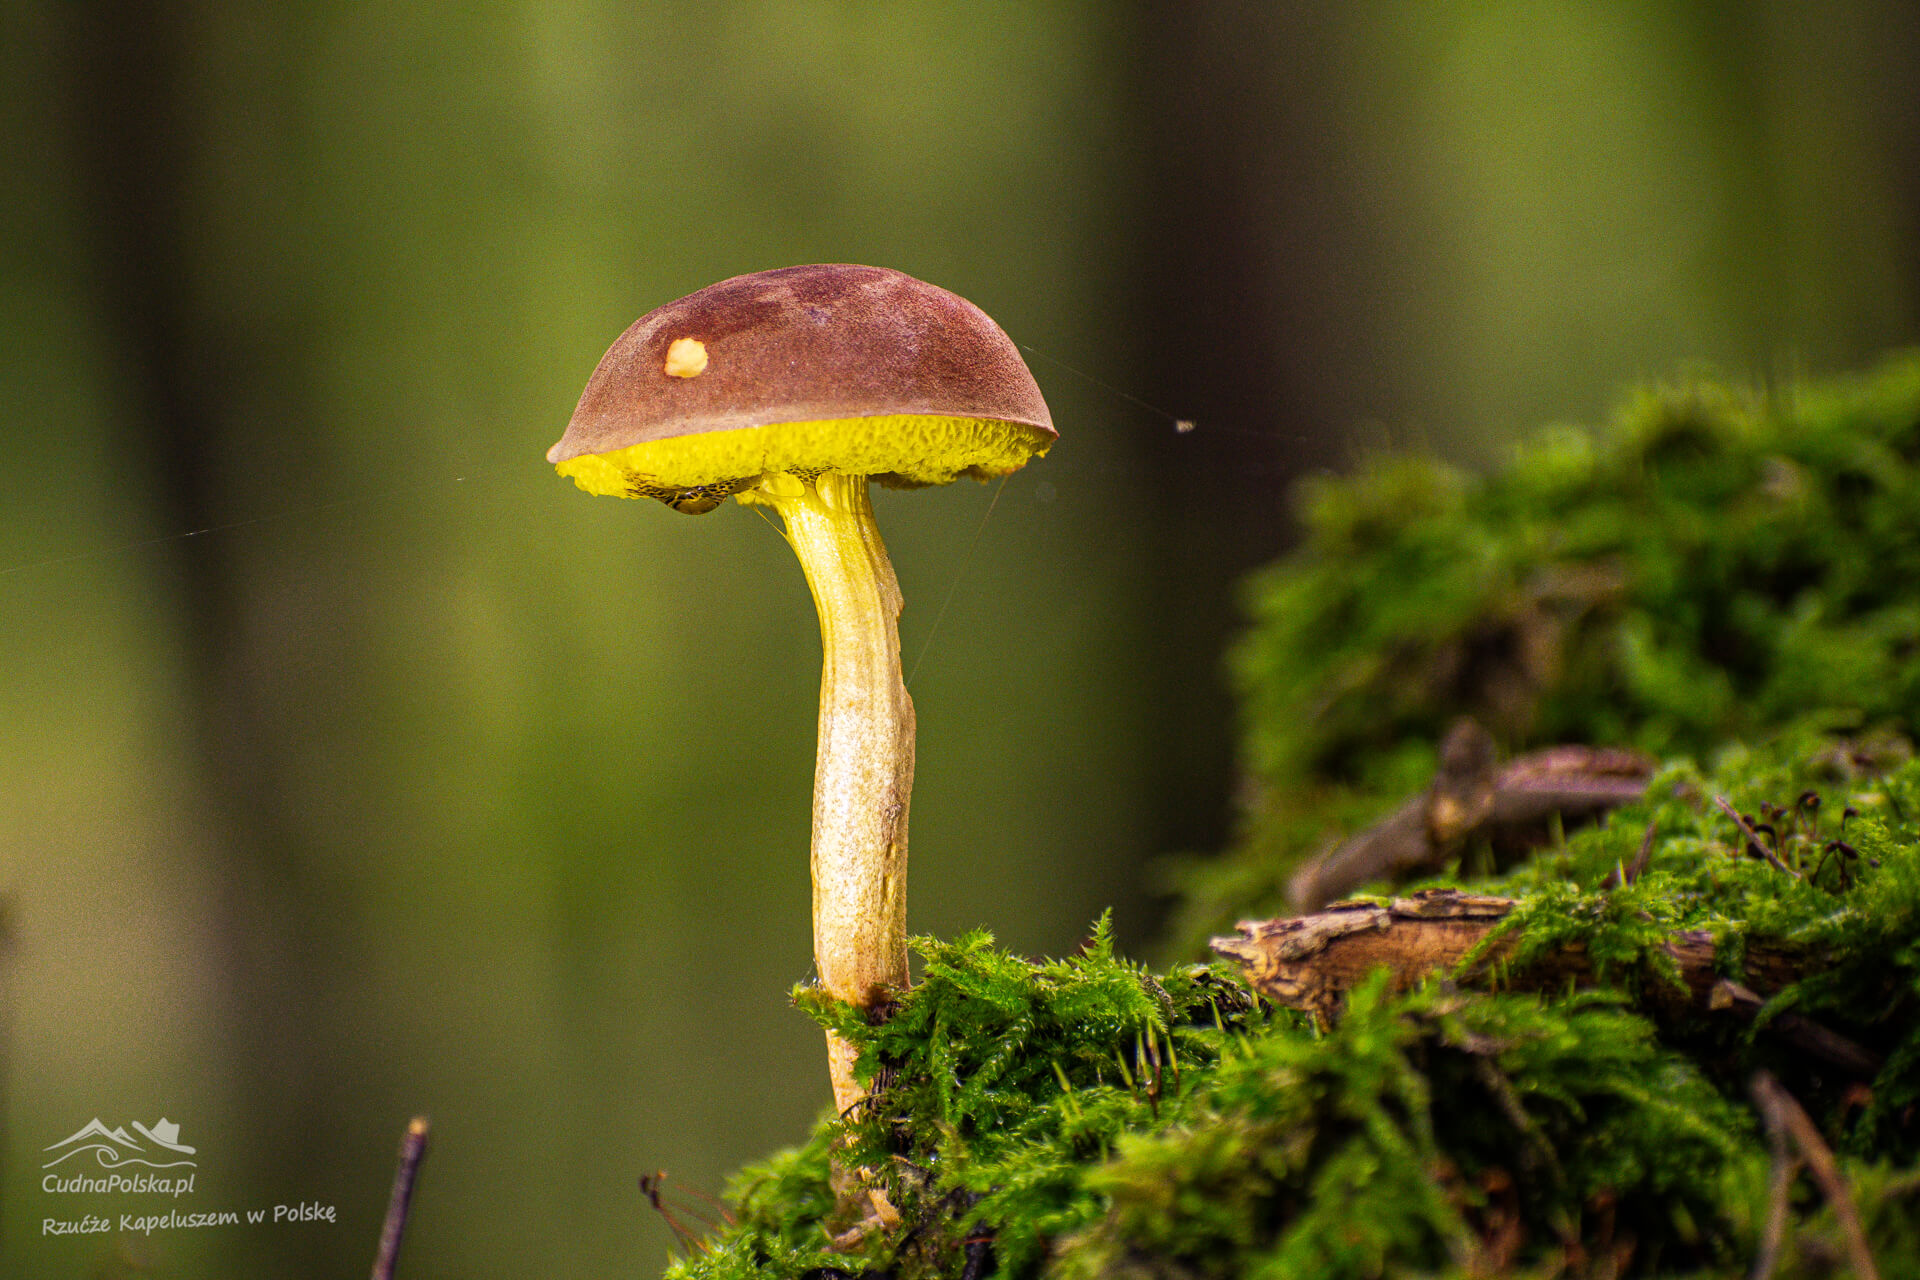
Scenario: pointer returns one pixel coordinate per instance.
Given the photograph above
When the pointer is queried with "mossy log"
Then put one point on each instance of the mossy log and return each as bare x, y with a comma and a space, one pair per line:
1310, 962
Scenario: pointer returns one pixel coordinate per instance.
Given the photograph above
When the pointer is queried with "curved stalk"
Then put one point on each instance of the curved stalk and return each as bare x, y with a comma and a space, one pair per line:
863, 772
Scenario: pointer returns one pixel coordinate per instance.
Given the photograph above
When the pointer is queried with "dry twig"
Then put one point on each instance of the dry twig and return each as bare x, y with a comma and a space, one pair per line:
1753, 841
1784, 1115
1620, 877
413, 1149
1773, 1237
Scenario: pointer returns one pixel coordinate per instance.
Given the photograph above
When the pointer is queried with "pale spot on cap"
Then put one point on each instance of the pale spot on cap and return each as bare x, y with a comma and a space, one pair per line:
686, 358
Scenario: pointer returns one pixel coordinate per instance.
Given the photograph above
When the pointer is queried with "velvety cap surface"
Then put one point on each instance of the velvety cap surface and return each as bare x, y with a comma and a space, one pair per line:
806, 345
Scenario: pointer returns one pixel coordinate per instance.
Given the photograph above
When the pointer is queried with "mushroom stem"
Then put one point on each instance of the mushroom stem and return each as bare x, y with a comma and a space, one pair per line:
863, 772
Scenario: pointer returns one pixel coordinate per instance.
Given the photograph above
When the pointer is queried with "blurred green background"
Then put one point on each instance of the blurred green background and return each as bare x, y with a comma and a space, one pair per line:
352, 765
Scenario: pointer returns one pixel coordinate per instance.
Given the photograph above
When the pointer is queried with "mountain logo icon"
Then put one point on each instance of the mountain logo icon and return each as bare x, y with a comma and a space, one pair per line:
116, 1149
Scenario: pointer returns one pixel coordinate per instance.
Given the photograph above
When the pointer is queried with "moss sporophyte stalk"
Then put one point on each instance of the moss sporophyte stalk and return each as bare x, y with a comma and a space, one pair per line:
792, 389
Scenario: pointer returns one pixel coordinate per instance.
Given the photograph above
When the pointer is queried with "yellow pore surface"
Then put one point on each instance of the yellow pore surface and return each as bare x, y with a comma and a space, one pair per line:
917, 448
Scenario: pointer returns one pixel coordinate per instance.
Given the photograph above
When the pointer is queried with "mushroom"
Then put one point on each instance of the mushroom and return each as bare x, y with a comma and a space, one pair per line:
792, 389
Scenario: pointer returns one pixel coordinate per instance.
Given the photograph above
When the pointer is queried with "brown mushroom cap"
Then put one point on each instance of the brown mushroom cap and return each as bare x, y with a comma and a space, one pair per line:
818, 346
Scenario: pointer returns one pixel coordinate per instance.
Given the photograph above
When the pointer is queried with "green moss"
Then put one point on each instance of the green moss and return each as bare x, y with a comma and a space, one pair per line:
1848, 901
1419, 1130
1715, 565
1439, 1130
999, 1084
1088, 1117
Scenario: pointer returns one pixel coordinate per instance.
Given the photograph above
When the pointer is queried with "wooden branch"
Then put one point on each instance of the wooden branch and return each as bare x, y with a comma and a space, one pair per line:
1310, 962
1804, 1034
1473, 797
